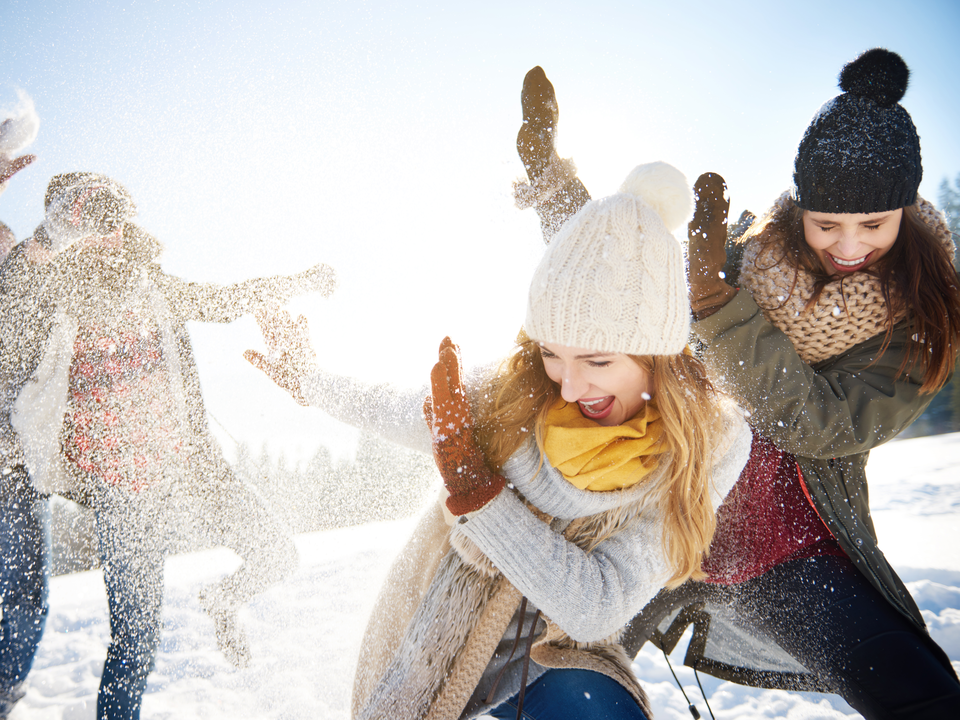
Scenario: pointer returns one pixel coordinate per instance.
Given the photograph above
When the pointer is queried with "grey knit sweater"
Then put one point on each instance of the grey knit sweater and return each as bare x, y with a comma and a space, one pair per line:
590, 595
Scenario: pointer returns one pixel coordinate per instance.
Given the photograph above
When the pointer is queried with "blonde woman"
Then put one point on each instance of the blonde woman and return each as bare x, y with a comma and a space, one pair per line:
579, 478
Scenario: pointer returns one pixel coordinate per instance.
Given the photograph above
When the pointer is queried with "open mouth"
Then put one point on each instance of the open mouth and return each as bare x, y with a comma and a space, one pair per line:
596, 408
844, 265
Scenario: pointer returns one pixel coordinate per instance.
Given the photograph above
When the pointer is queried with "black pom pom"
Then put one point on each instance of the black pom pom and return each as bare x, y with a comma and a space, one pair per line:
877, 74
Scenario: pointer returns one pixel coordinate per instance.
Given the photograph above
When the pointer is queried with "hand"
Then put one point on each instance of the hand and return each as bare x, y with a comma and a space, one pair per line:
291, 355
469, 481
535, 141
320, 278
706, 254
8, 167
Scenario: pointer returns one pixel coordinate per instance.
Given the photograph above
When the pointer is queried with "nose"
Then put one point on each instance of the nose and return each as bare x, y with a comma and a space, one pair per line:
572, 384
849, 243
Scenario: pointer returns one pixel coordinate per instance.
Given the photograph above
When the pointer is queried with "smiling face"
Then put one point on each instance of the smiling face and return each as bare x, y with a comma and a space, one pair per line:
848, 242
609, 388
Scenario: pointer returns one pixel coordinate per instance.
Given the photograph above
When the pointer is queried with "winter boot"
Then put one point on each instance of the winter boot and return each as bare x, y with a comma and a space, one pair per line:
554, 189
231, 639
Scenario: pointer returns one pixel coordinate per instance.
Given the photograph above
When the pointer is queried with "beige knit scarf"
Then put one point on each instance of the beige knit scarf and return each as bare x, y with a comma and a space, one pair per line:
849, 310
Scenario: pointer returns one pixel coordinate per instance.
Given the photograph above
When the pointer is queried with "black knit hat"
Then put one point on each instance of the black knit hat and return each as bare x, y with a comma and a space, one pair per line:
861, 152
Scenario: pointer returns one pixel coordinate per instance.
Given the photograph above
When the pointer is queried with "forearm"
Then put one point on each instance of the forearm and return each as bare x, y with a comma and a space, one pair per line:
390, 412
848, 405
209, 302
590, 595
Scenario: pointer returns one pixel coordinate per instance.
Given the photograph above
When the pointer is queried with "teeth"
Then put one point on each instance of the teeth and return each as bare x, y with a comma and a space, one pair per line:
848, 263
591, 402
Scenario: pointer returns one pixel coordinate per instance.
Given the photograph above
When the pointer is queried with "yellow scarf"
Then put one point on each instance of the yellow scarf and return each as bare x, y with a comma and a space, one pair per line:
598, 458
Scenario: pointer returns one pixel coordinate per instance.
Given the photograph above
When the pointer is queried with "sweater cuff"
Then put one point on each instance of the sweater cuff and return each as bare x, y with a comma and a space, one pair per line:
486, 526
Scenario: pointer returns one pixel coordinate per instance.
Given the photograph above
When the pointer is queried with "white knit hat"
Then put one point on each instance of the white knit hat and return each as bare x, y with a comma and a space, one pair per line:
613, 279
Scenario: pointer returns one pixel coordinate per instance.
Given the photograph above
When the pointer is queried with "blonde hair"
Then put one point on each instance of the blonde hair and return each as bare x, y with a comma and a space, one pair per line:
517, 400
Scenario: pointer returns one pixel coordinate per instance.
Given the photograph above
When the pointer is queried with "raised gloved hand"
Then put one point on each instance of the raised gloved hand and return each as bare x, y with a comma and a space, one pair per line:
535, 141
291, 355
706, 254
554, 189
469, 481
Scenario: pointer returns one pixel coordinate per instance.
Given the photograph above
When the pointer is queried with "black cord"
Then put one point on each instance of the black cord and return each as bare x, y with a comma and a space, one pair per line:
690, 706
709, 709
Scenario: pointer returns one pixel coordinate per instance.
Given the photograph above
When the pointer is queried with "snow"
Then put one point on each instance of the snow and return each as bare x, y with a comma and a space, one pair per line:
305, 633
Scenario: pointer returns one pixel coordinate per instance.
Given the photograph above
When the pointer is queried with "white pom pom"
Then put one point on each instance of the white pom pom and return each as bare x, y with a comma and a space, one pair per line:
665, 189
19, 129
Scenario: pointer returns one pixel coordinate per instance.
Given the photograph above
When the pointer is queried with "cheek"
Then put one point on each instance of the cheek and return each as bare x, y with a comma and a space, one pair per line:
632, 389
889, 238
816, 239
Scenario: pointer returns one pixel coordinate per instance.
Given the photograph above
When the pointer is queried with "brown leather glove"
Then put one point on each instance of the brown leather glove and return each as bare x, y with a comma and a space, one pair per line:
469, 481
706, 253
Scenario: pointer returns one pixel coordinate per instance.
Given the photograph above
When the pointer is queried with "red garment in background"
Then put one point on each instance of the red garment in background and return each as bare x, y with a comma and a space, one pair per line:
766, 520
122, 426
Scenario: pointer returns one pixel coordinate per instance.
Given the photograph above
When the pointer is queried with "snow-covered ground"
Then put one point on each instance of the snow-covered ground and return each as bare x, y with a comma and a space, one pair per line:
305, 633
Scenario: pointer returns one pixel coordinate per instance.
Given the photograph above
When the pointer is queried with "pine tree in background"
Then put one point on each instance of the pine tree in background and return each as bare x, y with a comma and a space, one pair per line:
949, 201
382, 482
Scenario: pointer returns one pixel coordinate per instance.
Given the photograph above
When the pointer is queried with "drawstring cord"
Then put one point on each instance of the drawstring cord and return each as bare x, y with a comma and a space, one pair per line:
526, 658
526, 665
690, 706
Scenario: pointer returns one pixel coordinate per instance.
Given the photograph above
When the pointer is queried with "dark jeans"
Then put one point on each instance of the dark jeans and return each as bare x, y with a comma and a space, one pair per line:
826, 614
24, 579
582, 694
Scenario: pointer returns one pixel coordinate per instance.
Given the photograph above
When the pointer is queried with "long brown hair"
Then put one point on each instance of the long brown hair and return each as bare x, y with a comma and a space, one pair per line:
917, 277
516, 402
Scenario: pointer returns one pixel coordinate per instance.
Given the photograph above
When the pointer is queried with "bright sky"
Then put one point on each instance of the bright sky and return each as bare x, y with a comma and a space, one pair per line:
380, 139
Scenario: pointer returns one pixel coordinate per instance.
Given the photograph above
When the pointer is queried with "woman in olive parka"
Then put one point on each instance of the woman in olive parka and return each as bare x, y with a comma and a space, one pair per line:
845, 325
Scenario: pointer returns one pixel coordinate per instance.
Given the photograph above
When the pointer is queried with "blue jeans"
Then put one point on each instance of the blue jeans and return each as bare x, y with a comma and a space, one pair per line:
24, 579
130, 535
582, 694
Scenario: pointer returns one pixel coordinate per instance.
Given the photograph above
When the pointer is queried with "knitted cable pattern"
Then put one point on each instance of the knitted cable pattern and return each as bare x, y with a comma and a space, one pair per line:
849, 311
613, 281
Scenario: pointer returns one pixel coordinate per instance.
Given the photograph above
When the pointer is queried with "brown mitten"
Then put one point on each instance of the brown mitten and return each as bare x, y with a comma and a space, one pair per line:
706, 254
469, 481
535, 139
554, 189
